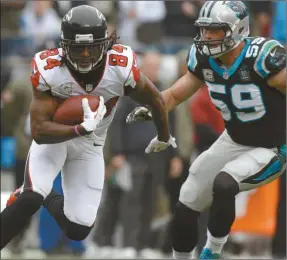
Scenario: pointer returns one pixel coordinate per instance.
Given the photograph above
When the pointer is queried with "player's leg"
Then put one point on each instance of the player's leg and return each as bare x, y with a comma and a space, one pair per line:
83, 180
252, 169
43, 164
221, 215
196, 193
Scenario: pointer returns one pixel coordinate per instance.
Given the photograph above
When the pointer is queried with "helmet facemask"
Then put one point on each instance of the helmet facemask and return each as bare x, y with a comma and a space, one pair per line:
214, 48
84, 54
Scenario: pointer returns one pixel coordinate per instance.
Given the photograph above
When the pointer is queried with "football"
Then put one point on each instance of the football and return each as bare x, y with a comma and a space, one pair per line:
70, 111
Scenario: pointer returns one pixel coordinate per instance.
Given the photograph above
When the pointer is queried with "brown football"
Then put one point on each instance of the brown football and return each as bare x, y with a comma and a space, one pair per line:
70, 111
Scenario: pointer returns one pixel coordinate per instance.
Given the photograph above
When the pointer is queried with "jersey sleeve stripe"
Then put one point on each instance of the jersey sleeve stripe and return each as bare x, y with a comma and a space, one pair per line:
135, 69
192, 59
259, 65
35, 74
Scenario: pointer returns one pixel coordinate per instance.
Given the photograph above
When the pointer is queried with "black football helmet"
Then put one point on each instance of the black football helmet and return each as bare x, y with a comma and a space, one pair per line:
84, 38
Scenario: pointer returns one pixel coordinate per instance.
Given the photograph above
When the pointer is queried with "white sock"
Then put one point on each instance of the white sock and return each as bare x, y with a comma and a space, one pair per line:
181, 255
215, 244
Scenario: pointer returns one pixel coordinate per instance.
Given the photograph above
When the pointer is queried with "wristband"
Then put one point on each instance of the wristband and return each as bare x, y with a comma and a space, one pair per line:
76, 130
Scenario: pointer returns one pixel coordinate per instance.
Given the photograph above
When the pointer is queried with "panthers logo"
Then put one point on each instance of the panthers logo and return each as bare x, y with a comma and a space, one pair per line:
239, 8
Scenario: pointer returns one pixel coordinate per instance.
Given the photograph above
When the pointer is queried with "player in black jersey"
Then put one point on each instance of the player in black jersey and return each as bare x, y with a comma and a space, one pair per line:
246, 78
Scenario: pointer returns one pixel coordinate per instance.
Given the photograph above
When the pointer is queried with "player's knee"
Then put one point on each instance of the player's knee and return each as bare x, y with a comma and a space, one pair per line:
184, 216
183, 212
225, 185
31, 201
81, 223
77, 232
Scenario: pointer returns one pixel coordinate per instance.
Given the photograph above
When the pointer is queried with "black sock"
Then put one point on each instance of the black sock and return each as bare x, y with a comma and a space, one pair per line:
16, 216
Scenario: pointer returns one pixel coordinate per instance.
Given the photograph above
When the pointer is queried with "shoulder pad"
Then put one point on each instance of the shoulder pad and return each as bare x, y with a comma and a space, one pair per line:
192, 59
123, 60
264, 50
44, 67
193, 62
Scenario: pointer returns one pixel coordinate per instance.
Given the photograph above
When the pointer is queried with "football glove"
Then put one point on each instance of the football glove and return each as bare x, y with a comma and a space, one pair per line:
157, 146
139, 114
93, 119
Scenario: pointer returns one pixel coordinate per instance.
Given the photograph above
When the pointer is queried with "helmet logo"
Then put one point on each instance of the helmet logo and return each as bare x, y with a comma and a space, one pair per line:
68, 16
100, 15
239, 8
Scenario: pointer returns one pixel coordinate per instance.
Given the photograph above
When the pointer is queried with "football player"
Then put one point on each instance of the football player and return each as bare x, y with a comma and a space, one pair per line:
89, 63
246, 79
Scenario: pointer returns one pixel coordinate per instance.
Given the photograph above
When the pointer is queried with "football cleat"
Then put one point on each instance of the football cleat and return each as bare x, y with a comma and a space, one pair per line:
207, 254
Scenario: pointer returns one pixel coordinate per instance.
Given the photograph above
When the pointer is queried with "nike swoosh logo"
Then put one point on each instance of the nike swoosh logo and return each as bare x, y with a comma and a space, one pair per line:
272, 53
97, 144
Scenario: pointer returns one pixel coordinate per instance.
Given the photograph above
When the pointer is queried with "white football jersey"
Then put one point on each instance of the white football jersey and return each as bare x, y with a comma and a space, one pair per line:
121, 70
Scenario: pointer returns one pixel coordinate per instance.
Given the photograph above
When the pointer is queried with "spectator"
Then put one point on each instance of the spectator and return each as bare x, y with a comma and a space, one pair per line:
40, 24
10, 14
179, 29
139, 23
261, 12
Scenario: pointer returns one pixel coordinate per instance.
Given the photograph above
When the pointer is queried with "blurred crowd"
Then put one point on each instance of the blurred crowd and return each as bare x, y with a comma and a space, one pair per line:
140, 191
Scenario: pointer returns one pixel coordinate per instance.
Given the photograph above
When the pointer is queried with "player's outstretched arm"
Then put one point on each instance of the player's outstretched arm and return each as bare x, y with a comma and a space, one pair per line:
44, 130
145, 93
181, 90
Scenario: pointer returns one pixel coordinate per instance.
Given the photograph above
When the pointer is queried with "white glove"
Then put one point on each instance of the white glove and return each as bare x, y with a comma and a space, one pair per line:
157, 146
139, 114
93, 119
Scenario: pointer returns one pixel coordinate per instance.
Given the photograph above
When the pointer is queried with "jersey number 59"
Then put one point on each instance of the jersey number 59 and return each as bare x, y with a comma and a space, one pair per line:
246, 101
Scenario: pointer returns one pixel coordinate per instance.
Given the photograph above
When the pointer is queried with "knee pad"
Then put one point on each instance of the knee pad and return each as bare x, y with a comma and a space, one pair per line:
225, 185
77, 232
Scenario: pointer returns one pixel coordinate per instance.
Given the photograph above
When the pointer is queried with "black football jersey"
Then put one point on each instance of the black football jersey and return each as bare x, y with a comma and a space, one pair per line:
254, 113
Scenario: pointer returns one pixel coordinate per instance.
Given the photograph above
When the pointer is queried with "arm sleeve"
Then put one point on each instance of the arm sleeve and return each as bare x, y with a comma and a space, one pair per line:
270, 60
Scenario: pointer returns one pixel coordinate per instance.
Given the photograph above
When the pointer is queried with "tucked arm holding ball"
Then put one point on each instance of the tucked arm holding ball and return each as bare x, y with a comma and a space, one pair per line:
45, 130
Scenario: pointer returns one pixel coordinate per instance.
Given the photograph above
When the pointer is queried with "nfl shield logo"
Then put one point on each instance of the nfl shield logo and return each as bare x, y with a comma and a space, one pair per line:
225, 75
89, 87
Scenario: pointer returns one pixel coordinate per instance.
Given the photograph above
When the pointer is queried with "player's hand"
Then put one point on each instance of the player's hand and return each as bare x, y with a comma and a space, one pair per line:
139, 114
93, 119
157, 146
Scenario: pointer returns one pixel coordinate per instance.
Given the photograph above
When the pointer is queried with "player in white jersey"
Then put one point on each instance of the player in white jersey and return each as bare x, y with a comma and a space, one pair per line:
89, 63
246, 79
